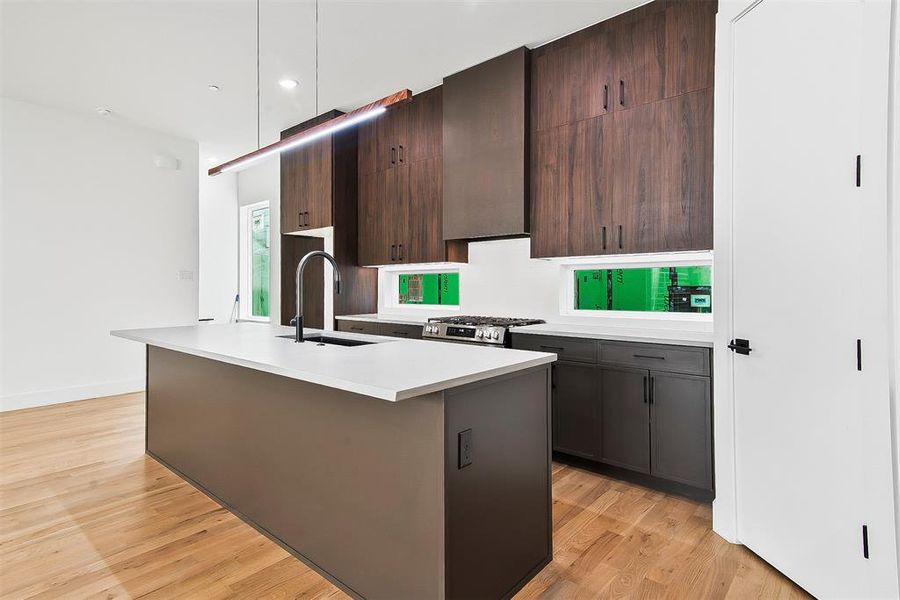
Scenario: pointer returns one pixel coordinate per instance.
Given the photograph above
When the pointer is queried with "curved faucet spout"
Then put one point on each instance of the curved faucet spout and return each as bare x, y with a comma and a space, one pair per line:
298, 319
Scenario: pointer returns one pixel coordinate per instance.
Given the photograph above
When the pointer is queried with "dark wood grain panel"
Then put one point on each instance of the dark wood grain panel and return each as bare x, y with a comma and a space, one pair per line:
686, 167
690, 45
293, 248
550, 185
422, 205
424, 131
377, 198
590, 200
368, 147
640, 56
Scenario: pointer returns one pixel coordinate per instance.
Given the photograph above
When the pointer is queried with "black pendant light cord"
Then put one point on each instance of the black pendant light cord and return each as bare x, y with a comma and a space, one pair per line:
317, 57
258, 136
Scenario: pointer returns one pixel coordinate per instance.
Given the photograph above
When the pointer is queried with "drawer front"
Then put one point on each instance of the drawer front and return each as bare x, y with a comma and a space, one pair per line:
401, 330
366, 327
676, 359
566, 348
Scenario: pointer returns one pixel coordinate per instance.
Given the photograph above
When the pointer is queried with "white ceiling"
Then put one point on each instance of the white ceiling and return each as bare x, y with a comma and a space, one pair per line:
151, 61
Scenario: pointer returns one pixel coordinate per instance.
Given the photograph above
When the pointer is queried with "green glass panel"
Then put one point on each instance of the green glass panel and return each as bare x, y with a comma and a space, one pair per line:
651, 289
429, 288
259, 252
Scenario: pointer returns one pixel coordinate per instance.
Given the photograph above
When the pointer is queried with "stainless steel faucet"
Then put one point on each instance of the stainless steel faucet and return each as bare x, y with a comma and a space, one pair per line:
298, 320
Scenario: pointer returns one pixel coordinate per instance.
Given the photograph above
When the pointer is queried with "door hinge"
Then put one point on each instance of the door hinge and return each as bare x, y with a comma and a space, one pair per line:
865, 533
858, 170
859, 355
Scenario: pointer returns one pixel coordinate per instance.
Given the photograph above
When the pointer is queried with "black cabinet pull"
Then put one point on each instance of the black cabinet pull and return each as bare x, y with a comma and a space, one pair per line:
620, 237
649, 356
393, 248
622, 92
644, 378
605, 96
652, 388
300, 219
553, 377
393, 155
355, 328
400, 252
603, 237
400, 154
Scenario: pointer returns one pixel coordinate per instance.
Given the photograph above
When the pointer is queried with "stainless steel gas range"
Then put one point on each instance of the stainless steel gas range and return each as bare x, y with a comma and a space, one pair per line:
489, 331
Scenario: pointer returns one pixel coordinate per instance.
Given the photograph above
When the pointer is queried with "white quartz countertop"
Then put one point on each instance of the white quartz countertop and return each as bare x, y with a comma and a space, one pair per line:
393, 369
622, 334
373, 318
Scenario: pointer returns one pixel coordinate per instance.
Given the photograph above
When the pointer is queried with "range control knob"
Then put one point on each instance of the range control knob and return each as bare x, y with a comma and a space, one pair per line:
495, 334
479, 333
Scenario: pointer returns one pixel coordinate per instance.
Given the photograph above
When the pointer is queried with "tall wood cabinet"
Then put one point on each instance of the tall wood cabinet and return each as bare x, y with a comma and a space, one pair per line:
400, 186
621, 154
319, 189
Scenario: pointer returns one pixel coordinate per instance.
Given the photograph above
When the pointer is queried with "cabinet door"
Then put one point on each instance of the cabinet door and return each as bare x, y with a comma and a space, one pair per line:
377, 201
639, 56
387, 137
634, 169
572, 79
306, 186
686, 168
690, 46
367, 148
424, 115
550, 186
589, 201
400, 209
681, 436
422, 202
625, 418
576, 409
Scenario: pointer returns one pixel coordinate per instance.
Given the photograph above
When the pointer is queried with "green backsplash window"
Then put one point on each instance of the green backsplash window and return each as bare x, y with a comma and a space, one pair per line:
429, 288
650, 289
259, 248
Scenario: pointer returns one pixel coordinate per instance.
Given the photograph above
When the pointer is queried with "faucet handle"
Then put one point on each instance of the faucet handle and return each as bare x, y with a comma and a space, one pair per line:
294, 322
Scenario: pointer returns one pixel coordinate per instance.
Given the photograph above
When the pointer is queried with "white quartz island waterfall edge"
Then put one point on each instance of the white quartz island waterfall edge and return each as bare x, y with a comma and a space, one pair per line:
393, 369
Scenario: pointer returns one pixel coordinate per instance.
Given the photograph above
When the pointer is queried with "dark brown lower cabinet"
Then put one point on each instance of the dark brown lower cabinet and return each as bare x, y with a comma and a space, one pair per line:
680, 428
625, 418
576, 412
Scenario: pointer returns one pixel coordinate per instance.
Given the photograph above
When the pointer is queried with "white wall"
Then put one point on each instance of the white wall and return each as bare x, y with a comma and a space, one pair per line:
218, 207
501, 279
262, 182
93, 238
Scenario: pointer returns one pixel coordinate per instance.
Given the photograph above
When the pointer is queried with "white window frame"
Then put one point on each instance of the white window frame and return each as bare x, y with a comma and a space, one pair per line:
629, 261
244, 263
389, 286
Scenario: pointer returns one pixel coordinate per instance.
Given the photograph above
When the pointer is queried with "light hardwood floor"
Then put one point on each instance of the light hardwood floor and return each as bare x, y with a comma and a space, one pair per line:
84, 513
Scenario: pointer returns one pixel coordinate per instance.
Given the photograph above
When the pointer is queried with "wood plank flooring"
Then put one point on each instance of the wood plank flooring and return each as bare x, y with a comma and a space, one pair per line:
85, 514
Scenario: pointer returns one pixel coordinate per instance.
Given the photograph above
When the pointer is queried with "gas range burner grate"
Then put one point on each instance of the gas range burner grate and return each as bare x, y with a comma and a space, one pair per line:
487, 321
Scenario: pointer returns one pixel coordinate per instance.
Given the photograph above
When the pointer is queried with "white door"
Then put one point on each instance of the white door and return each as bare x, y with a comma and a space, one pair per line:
812, 432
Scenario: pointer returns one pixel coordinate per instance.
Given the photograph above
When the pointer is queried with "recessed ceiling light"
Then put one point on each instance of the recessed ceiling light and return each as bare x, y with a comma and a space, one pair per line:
103, 111
288, 84
212, 160
213, 88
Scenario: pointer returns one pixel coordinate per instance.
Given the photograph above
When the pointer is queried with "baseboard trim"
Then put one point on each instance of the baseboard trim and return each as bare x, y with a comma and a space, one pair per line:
69, 394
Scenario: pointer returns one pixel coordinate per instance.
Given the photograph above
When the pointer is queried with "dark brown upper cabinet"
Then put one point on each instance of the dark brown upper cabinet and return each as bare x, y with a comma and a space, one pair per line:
319, 189
621, 151
308, 177
485, 149
400, 186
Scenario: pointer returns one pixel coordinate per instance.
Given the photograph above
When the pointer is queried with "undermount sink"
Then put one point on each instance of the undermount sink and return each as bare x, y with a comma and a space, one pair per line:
320, 339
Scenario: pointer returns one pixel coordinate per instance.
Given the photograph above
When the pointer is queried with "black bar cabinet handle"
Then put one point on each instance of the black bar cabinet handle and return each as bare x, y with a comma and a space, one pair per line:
644, 378
400, 154
622, 92
649, 356
393, 248
603, 237
560, 348
605, 96
300, 219
652, 387
399, 251
393, 155
620, 237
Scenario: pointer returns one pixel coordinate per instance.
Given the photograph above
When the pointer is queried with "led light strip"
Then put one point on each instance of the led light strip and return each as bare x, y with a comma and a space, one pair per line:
354, 117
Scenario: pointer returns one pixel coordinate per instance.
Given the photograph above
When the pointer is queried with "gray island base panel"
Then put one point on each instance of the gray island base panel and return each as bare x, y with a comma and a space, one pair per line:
368, 493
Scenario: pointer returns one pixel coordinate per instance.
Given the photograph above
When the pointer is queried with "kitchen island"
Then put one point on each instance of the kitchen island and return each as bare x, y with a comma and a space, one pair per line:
396, 468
